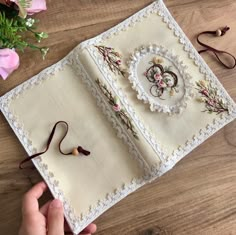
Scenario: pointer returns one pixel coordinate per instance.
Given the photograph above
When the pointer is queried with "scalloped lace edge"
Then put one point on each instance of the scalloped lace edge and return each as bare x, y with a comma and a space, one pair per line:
76, 223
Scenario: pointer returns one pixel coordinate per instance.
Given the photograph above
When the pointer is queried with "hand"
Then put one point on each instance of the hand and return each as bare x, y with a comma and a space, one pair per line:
49, 219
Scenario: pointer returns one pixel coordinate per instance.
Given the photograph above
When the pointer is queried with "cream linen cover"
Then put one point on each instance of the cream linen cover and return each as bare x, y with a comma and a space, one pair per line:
119, 163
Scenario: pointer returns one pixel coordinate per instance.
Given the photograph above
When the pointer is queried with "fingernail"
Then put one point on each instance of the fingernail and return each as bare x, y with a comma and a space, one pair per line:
56, 204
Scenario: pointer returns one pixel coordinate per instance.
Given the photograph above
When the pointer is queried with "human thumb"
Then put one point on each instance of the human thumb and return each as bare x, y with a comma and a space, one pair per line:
55, 218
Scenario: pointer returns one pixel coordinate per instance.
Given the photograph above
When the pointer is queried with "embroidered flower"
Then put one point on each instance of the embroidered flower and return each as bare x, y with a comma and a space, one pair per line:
209, 96
120, 113
158, 77
162, 84
157, 60
9, 61
116, 100
163, 79
116, 108
117, 54
118, 62
170, 83
211, 102
202, 83
204, 92
172, 92
112, 59
200, 99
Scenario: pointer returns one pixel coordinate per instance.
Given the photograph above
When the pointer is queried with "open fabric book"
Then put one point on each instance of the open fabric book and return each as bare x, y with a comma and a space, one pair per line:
138, 97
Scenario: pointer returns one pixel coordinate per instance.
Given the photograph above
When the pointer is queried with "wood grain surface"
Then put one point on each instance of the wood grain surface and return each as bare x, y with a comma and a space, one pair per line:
199, 195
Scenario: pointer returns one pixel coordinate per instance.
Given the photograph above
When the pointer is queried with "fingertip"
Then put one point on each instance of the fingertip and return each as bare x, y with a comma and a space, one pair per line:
93, 228
56, 204
43, 184
55, 218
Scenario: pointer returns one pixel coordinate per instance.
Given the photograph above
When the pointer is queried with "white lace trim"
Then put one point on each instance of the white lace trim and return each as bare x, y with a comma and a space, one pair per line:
98, 60
122, 133
78, 223
153, 49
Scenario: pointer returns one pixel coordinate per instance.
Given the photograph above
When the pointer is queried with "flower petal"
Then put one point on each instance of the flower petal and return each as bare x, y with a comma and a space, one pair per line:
9, 61
36, 6
3, 73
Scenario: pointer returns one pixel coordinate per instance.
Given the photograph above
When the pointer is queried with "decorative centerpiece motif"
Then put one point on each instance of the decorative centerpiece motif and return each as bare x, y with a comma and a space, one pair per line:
112, 58
208, 95
120, 113
162, 78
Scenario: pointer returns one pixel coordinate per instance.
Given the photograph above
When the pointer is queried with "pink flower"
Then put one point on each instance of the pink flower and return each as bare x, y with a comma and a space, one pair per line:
157, 77
35, 6
116, 108
211, 102
9, 61
118, 62
162, 84
204, 92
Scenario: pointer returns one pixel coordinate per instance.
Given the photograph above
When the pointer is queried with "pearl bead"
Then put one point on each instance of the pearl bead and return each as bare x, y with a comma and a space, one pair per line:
218, 32
75, 152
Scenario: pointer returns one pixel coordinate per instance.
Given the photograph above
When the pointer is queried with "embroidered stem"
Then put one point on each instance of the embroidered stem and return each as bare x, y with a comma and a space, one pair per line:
120, 113
112, 58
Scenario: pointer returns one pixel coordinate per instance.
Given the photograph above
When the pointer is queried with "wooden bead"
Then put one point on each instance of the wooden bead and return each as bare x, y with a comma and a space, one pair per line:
75, 152
218, 32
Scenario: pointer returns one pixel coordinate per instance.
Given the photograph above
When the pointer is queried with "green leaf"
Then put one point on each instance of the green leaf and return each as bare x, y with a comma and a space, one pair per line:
11, 33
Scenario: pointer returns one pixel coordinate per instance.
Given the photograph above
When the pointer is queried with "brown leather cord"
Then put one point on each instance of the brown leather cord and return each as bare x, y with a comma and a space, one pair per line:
79, 148
216, 52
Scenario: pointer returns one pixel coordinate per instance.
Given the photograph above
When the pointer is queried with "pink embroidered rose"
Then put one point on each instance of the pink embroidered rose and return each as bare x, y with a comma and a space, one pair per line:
116, 108
35, 6
162, 84
204, 92
118, 62
9, 61
211, 102
157, 77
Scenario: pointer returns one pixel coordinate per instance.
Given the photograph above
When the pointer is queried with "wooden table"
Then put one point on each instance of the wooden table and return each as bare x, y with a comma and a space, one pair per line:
199, 195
